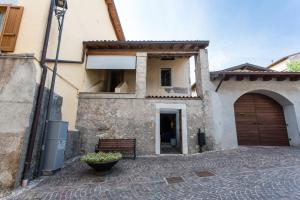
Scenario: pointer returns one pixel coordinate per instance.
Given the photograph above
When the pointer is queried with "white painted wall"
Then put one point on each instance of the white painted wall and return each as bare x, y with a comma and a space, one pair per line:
286, 93
219, 106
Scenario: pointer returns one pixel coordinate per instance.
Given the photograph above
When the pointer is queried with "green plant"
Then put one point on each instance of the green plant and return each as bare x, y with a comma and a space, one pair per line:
100, 157
294, 66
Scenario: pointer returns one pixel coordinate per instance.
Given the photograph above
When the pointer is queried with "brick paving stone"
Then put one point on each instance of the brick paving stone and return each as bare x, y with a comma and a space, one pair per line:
243, 173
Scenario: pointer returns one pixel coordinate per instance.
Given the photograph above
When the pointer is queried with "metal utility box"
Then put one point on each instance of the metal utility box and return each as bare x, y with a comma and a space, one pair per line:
55, 145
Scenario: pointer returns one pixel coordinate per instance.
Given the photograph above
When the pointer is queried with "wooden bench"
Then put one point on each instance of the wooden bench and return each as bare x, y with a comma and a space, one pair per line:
125, 146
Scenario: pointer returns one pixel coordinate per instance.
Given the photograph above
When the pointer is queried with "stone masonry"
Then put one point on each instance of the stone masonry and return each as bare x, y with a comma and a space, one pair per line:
17, 90
132, 118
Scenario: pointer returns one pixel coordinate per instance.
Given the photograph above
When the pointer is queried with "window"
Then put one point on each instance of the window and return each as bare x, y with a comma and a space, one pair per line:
165, 77
10, 20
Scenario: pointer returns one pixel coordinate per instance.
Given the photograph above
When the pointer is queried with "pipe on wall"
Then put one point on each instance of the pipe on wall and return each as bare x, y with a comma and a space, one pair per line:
38, 105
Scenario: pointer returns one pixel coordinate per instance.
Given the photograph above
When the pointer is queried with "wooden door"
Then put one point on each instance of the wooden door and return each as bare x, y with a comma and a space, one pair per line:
260, 121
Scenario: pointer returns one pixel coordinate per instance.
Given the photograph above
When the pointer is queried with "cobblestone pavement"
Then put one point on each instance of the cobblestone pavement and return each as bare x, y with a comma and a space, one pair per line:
244, 173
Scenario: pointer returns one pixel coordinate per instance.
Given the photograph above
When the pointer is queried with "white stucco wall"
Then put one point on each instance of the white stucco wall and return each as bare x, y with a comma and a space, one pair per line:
180, 76
286, 93
219, 106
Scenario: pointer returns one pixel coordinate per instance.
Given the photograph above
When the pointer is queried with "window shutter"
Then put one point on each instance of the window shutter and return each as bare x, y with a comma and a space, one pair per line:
11, 28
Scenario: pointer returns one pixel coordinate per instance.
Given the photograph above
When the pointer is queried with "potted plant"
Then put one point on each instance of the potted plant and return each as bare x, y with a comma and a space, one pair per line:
101, 161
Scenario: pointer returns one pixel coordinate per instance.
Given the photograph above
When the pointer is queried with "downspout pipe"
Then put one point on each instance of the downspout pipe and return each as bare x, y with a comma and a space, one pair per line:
38, 105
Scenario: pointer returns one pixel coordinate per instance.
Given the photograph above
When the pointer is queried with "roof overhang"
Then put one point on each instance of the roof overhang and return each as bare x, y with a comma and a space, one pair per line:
153, 48
115, 20
253, 76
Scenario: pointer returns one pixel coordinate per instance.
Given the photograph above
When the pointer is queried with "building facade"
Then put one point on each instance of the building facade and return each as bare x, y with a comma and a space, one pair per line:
23, 26
242, 105
155, 105
251, 105
114, 88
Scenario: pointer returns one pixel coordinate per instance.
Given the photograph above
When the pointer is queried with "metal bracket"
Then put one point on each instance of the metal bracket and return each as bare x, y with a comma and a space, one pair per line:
220, 83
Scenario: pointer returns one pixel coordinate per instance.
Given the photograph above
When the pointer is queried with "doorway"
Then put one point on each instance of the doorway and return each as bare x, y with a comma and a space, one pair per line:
260, 121
115, 77
170, 133
181, 125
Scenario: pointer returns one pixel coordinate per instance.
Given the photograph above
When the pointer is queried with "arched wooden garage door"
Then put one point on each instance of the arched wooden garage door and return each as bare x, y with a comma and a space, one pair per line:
260, 121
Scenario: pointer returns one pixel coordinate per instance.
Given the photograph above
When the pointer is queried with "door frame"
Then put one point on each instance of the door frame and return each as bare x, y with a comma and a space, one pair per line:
177, 113
169, 108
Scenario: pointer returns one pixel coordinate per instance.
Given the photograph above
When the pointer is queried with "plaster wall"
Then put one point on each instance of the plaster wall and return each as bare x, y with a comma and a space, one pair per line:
84, 20
180, 77
69, 92
286, 93
94, 80
130, 78
218, 106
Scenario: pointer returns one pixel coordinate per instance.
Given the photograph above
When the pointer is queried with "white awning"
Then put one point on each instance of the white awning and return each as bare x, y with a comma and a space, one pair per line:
111, 62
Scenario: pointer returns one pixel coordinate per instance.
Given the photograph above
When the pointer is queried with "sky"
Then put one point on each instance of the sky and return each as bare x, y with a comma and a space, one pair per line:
239, 31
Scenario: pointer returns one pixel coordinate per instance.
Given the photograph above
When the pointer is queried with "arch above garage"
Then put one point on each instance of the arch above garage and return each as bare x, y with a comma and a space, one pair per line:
221, 109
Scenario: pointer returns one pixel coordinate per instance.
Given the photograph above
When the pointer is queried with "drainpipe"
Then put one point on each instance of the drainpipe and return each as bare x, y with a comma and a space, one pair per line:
39, 100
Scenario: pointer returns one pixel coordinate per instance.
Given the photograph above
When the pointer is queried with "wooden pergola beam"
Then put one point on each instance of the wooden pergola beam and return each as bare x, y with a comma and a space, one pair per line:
267, 78
253, 78
281, 78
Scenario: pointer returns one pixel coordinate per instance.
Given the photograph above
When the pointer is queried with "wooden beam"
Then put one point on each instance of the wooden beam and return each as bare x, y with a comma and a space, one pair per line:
281, 78
239, 78
267, 78
96, 52
253, 78
220, 83
294, 78
226, 78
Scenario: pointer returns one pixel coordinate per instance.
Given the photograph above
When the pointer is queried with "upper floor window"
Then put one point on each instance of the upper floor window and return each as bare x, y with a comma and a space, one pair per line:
166, 77
10, 20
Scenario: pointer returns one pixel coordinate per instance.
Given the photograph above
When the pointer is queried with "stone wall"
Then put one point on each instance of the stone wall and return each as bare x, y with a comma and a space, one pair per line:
73, 145
132, 118
17, 90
